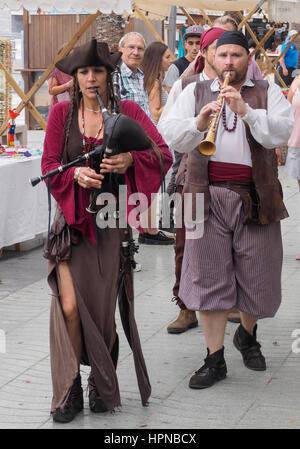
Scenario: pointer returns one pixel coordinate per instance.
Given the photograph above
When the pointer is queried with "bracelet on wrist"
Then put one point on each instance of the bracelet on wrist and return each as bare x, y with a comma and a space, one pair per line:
132, 160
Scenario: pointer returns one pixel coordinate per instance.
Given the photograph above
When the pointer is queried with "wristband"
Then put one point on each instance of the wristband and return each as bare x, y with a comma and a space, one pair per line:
132, 160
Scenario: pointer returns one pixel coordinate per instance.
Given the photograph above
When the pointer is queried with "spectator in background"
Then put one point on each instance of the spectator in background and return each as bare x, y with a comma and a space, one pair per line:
133, 46
59, 85
228, 23
192, 47
269, 44
288, 63
157, 60
292, 164
278, 43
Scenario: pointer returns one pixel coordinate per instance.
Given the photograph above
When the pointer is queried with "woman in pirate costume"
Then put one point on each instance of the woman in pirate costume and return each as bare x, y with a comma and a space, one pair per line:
87, 277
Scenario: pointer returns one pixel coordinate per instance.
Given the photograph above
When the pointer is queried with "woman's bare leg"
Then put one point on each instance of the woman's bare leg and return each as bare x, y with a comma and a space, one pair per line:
69, 307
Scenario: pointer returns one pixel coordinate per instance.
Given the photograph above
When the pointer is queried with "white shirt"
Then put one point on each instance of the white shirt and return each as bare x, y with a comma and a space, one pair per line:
175, 92
270, 128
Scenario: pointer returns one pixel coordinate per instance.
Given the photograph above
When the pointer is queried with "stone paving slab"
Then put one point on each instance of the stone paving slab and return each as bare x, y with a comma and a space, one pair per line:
244, 400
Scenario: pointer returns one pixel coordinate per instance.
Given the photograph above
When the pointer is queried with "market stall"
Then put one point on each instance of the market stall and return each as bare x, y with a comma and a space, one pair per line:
23, 210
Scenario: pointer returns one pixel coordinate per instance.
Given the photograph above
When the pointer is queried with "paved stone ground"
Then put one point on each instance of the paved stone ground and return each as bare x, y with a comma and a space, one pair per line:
244, 400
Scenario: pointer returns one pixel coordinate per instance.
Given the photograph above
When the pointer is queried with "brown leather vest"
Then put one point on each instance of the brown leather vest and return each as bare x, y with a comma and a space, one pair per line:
264, 163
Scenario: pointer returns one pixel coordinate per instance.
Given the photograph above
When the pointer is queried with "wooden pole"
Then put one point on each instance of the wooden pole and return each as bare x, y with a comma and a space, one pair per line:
50, 69
151, 28
264, 39
244, 20
191, 21
269, 63
206, 17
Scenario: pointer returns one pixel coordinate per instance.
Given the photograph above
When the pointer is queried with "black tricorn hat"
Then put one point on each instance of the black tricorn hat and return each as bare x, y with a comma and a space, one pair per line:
92, 54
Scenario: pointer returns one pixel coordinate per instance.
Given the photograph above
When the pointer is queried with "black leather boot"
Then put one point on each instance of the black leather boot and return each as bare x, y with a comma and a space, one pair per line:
249, 348
73, 405
214, 369
95, 402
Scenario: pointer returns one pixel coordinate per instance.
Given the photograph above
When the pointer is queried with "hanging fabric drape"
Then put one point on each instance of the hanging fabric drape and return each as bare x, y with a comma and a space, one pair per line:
78, 6
284, 11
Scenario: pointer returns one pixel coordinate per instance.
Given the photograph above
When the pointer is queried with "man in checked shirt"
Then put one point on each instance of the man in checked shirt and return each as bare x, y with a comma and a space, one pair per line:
133, 45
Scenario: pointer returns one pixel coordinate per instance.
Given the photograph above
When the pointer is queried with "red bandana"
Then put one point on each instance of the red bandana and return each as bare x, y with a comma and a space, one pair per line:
206, 39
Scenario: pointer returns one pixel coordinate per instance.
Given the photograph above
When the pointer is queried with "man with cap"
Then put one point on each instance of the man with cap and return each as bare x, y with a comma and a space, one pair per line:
204, 71
238, 259
288, 63
192, 46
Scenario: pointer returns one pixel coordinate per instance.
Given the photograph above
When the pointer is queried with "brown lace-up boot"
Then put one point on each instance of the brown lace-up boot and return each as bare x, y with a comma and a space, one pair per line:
186, 320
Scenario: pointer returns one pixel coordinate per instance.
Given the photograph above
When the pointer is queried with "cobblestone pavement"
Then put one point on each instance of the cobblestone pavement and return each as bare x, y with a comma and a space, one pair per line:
245, 399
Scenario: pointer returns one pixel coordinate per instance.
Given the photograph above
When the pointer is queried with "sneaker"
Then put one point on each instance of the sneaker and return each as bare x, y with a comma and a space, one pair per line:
137, 268
156, 239
167, 229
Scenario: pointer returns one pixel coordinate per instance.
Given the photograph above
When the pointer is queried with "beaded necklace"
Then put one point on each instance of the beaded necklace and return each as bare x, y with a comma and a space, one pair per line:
86, 142
230, 130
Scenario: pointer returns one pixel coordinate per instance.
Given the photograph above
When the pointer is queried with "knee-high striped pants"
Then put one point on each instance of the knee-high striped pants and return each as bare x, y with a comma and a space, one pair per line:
232, 264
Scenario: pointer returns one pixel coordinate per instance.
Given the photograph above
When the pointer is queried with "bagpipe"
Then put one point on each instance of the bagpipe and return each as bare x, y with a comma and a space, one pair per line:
121, 135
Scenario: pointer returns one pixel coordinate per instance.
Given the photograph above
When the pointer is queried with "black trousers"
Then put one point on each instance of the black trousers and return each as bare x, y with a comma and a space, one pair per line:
287, 79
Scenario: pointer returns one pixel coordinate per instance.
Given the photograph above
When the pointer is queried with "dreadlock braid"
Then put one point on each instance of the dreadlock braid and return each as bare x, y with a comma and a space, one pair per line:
75, 99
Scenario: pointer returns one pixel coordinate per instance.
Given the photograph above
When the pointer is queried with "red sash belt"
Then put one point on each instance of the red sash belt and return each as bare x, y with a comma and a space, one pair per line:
225, 171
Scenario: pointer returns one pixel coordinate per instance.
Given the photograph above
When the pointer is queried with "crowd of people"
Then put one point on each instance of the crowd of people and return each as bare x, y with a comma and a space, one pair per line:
234, 269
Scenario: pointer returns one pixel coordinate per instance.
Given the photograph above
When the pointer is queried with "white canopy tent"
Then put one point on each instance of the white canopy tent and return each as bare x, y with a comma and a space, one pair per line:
278, 10
145, 10
119, 6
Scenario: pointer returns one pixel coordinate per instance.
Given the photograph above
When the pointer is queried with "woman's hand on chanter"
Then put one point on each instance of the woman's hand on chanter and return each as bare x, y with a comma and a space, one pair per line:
119, 163
89, 179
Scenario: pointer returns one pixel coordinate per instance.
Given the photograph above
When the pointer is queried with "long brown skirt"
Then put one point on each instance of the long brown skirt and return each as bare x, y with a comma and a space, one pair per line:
96, 293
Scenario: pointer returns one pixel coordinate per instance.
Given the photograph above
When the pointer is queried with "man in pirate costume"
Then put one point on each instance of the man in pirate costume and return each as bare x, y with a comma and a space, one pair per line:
88, 275
204, 70
238, 260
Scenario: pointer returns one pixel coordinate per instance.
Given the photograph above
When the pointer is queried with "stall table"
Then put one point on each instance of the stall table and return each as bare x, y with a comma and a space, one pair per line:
23, 208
